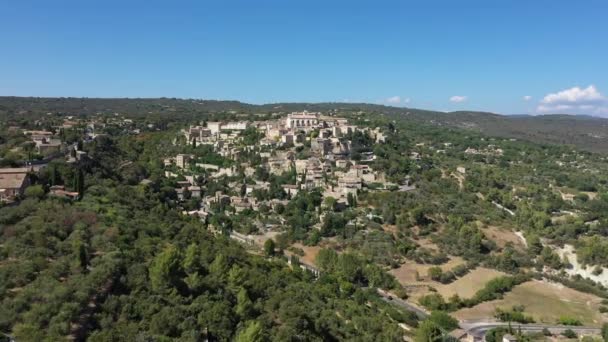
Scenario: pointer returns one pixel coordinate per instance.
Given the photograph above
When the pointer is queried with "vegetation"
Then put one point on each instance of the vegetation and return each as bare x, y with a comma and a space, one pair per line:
494, 289
121, 261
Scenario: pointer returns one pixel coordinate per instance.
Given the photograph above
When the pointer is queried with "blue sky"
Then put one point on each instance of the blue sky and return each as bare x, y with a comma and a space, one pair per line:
443, 55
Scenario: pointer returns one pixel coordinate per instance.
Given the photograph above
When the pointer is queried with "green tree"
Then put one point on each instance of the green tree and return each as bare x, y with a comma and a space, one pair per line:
83, 256
534, 244
326, 259
428, 331
34, 191
244, 305
192, 258
444, 320
53, 175
435, 273
269, 247
330, 203
78, 183
252, 332
165, 268
569, 333
605, 332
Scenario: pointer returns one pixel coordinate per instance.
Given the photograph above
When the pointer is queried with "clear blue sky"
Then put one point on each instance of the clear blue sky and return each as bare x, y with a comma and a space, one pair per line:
484, 55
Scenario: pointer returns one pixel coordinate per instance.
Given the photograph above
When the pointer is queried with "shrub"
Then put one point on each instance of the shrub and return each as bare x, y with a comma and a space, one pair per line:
442, 319
433, 301
513, 316
435, 273
569, 333
565, 320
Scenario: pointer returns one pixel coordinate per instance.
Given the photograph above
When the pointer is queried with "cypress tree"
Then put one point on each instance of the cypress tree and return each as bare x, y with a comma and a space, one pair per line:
53, 176
79, 182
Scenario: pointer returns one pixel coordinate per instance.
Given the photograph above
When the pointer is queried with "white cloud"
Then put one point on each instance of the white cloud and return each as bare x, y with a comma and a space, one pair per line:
527, 98
575, 100
394, 99
574, 95
458, 99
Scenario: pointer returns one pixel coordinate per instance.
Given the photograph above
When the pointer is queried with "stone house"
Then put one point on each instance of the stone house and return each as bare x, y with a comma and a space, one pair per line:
13, 182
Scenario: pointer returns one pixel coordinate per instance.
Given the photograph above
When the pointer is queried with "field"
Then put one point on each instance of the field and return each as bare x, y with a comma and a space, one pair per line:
260, 239
544, 301
310, 253
502, 236
406, 274
469, 284
465, 287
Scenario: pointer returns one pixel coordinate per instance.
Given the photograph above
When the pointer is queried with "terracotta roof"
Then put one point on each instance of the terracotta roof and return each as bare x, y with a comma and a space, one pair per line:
14, 170
12, 180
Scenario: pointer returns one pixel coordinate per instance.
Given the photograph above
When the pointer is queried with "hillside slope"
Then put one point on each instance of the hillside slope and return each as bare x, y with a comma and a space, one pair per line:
585, 132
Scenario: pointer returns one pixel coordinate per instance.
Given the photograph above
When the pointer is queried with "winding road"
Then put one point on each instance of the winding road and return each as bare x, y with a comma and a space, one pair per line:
479, 329
391, 298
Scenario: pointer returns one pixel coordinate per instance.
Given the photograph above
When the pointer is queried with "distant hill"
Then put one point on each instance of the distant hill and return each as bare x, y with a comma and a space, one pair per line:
585, 132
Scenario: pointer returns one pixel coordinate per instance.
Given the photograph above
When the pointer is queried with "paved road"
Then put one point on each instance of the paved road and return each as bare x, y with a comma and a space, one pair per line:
480, 328
390, 298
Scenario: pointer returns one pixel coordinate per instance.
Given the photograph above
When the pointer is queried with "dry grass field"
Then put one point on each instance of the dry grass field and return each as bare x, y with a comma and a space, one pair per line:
545, 302
469, 284
465, 286
406, 274
310, 253
502, 236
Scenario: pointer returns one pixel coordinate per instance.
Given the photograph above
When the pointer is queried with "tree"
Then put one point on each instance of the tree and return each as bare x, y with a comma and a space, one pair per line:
53, 177
534, 244
569, 333
244, 305
330, 203
435, 273
444, 320
79, 182
269, 247
251, 333
566, 320
295, 261
326, 259
165, 268
192, 258
83, 256
34, 191
433, 301
348, 267
428, 331
351, 199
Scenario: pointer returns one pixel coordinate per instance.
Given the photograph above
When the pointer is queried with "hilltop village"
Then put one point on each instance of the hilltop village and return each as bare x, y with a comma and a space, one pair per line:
304, 151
